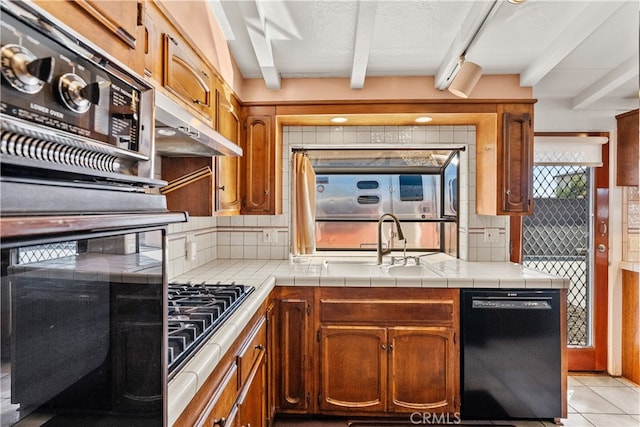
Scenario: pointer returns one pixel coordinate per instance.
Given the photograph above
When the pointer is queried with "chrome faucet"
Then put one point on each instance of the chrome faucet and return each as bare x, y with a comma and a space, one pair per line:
381, 251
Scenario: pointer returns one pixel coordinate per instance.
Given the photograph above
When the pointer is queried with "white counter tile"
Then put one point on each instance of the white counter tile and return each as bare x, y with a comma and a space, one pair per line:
265, 274
182, 389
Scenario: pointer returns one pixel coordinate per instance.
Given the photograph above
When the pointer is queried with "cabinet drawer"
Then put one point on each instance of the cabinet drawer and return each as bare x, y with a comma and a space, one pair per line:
433, 311
222, 405
253, 348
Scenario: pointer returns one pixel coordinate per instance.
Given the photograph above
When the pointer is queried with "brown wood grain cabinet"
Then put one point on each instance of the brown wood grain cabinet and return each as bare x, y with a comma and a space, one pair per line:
388, 351
115, 27
228, 170
260, 164
353, 368
631, 325
292, 352
175, 65
627, 149
504, 163
188, 76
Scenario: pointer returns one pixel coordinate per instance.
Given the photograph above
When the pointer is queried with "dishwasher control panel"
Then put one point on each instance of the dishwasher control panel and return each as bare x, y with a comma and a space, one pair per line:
511, 304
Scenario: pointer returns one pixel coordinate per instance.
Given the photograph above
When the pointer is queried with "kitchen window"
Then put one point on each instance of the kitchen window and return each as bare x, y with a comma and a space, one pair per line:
354, 188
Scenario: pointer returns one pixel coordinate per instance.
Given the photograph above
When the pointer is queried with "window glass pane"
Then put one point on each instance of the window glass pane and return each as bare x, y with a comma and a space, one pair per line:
368, 185
363, 235
410, 188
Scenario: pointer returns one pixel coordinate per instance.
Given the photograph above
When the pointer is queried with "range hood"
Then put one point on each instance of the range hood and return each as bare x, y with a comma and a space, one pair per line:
181, 134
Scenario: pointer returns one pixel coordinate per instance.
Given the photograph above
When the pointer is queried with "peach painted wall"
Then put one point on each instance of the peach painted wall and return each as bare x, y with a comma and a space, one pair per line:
379, 88
197, 16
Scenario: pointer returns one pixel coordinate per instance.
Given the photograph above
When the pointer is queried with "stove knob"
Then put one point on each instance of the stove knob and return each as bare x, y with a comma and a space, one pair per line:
76, 94
23, 70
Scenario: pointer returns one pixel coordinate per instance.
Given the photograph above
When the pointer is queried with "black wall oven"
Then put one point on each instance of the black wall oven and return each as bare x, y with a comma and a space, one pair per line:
83, 233
83, 325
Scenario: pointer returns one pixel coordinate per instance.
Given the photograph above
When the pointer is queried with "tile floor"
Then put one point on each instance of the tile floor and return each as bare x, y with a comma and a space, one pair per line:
594, 401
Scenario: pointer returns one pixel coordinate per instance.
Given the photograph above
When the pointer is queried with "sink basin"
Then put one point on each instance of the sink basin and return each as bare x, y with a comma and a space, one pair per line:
409, 271
351, 268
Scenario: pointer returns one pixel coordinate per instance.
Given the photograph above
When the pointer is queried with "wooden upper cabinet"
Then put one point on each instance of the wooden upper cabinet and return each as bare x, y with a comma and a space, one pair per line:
228, 173
261, 179
113, 26
173, 63
187, 76
504, 163
627, 149
517, 162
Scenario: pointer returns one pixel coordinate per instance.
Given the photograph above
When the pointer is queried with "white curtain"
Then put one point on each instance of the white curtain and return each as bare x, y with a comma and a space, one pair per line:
303, 206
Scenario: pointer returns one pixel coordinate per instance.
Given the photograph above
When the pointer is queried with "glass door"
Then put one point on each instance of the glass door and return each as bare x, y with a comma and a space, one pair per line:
568, 236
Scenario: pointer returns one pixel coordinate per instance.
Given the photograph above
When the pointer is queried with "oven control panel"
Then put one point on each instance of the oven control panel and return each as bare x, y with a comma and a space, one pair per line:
52, 83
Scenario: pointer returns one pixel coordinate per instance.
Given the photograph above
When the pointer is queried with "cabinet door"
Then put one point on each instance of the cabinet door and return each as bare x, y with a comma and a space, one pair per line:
353, 368
628, 146
187, 76
517, 163
252, 403
228, 175
292, 356
111, 25
259, 171
423, 369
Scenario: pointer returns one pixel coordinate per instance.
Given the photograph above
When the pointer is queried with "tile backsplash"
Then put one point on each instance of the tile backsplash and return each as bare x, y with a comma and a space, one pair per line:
631, 225
242, 237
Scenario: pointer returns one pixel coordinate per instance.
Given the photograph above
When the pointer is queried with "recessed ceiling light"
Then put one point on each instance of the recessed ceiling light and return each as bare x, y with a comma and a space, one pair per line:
339, 120
424, 119
517, 1
165, 131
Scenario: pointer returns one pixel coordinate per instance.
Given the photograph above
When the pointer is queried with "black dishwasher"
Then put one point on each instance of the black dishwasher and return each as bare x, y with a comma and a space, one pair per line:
511, 354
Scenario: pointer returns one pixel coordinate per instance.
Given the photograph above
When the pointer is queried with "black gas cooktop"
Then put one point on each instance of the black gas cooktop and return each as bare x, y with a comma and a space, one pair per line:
196, 310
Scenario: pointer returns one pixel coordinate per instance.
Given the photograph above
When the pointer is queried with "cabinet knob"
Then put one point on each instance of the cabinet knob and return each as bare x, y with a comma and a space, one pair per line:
220, 422
384, 347
221, 188
258, 346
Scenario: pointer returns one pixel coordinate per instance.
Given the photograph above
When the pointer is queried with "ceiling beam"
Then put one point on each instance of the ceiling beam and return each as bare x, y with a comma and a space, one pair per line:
584, 24
612, 80
479, 12
257, 28
365, 22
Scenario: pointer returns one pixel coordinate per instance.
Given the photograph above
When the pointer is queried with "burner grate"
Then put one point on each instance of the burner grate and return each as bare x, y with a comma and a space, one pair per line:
195, 312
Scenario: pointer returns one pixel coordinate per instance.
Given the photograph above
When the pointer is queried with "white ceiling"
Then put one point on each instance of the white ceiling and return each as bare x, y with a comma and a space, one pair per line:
580, 56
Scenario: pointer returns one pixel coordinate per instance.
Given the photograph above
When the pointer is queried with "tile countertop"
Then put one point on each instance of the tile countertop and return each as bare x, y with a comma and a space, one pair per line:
630, 266
443, 271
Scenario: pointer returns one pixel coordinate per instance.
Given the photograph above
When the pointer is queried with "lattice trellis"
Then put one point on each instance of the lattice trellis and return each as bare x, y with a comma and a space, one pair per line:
37, 253
556, 239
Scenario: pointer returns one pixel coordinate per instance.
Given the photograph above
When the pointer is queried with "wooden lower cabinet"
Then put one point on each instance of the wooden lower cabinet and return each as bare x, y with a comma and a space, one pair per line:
395, 369
353, 368
423, 369
369, 352
291, 355
235, 393
631, 325
252, 403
